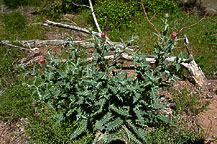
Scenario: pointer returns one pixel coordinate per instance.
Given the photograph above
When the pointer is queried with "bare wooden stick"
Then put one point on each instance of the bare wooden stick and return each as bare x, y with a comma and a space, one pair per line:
153, 16
212, 19
77, 28
79, 5
97, 24
186, 27
13, 46
39, 43
94, 17
84, 30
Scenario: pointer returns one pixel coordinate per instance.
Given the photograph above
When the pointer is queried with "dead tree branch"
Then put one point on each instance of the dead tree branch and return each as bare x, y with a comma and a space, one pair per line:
13, 46
84, 30
212, 19
79, 5
40, 43
94, 17
192, 24
153, 16
97, 24
195, 71
77, 28
186, 27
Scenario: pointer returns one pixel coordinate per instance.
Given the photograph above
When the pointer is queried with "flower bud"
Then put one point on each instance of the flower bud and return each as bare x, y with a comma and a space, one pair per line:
42, 60
102, 35
174, 34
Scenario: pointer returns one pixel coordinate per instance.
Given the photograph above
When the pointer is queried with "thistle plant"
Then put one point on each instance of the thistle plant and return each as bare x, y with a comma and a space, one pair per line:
104, 103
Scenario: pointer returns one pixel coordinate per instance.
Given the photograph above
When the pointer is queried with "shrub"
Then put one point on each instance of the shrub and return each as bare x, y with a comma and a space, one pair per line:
162, 6
188, 102
178, 134
58, 7
114, 14
77, 90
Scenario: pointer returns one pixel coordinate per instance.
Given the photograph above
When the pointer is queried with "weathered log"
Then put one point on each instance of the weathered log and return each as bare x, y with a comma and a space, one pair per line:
194, 70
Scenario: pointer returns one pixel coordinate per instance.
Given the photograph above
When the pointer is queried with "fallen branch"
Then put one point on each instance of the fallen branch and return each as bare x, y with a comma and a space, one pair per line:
13, 46
77, 28
84, 30
40, 43
79, 5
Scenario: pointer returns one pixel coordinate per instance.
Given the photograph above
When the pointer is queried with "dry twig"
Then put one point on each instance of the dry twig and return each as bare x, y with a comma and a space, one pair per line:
153, 16
186, 27
79, 5
149, 20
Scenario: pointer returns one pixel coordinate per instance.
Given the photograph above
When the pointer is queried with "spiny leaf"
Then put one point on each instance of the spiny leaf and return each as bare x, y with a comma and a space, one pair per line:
139, 115
100, 124
120, 111
130, 135
114, 124
139, 132
79, 130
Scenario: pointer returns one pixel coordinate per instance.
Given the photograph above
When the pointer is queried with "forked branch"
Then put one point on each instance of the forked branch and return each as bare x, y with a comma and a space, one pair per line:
149, 20
186, 27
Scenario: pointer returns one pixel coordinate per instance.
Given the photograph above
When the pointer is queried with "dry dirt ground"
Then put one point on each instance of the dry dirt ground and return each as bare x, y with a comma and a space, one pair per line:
208, 119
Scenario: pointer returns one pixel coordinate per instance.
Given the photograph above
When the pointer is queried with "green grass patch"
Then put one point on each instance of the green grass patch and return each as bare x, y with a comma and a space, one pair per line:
44, 129
15, 26
16, 102
189, 102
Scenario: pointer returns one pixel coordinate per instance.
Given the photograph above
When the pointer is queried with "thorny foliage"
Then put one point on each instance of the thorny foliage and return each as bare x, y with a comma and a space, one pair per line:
79, 90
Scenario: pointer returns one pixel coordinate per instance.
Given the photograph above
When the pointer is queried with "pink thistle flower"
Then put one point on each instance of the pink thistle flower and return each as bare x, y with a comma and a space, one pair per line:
102, 35
174, 34
42, 60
